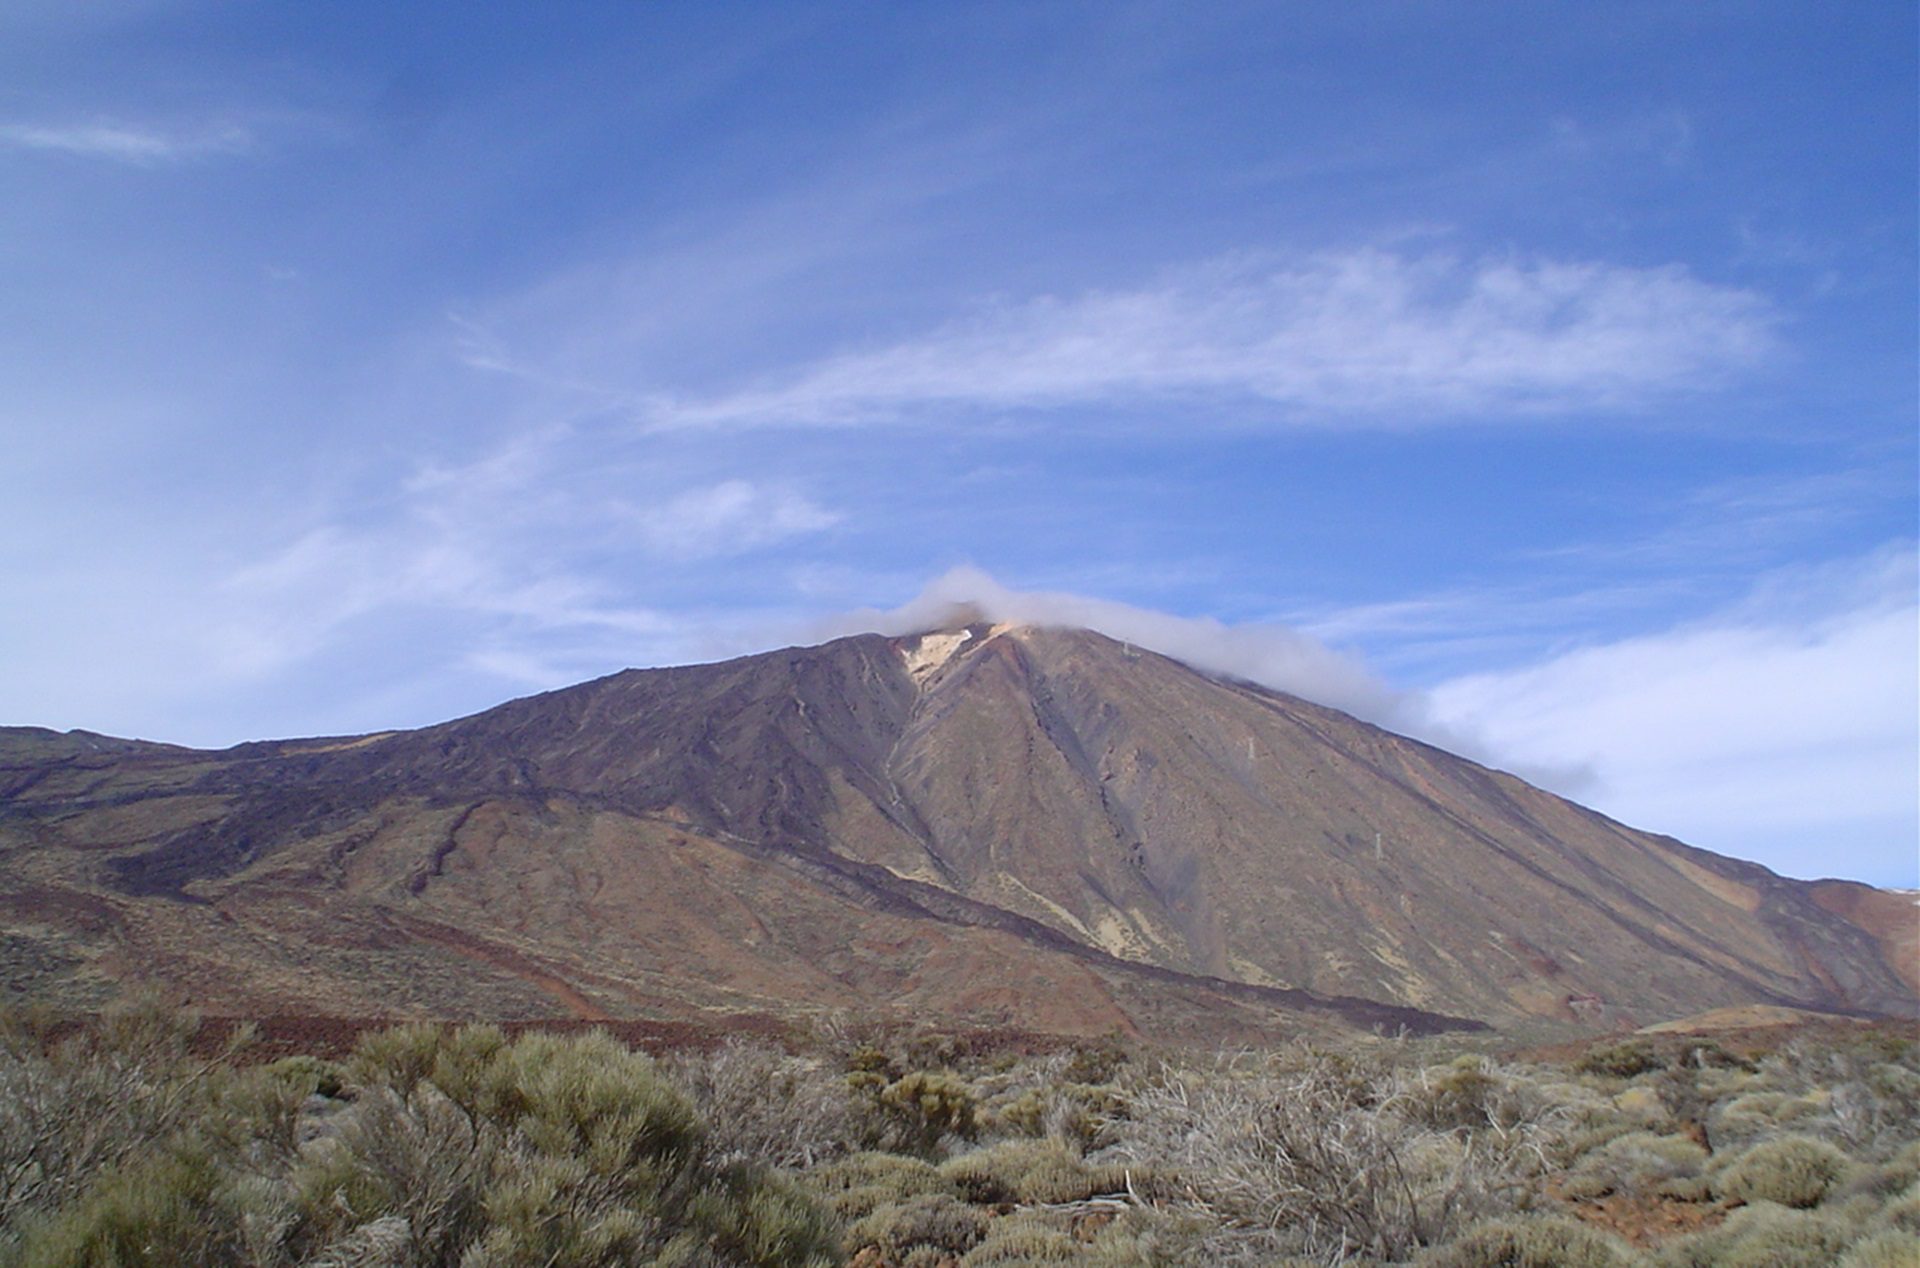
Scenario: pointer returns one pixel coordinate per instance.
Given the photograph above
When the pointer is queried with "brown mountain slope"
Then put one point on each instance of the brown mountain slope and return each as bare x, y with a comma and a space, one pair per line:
1034, 825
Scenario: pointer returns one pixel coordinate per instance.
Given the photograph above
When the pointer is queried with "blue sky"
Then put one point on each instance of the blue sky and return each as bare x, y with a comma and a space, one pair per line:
1538, 379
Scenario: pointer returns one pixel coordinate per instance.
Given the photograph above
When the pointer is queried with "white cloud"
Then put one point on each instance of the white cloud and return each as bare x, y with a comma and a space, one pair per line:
1784, 728
728, 518
1367, 333
136, 144
1270, 654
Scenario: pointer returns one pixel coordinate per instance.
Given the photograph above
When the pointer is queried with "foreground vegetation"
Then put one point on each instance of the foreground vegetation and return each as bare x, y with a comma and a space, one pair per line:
122, 1143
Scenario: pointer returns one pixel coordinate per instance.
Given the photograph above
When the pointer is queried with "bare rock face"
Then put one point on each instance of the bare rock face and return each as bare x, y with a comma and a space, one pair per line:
1014, 825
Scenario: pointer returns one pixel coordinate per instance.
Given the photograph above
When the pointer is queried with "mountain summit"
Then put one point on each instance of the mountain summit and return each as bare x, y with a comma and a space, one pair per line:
1004, 823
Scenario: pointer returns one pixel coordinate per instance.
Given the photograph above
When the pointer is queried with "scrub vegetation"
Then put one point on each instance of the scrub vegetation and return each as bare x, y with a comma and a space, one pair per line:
132, 1139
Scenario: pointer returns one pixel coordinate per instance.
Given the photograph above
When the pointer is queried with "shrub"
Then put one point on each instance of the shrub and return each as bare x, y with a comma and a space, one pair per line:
761, 1104
157, 1214
1796, 1171
1640, 1163
1460, 1095
1079, 1115
856, 1186
76, 1108
1761, 1236
1320, 1158
1876, 1112
312, 1075
934, 1220
398, 1057
544, 1150
923, 1107
1622, 1060
416, 1157
751, 1217
1096, 1061
1540, 1242
1030, 1171
1734, 1124
1902, 1211
1024, 1239
1888, 1249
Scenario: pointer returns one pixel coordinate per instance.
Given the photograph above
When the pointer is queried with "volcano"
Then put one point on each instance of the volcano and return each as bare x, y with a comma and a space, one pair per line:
1009, 825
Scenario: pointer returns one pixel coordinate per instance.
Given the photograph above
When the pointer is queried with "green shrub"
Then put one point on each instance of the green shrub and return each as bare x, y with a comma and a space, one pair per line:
158, 1214
398, 1057
923, 1107
312, 1075
1459, 1095
1079, 1115
934, 1220
1640, 1163
1734, 1124
1796, 1171
1902, 1211
750, 1217
1024, 1239
1096, 1061
1622, 1060
1763, 1235
1888, 1249
1030, 1171
1539, 1242
856, 1186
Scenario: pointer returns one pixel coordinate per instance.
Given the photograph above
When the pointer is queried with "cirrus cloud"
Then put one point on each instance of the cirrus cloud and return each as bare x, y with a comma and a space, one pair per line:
1365, 334
140, 145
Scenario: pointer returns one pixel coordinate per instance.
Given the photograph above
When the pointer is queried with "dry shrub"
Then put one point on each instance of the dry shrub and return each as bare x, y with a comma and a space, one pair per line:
1876, 1113
763, 1105
1316, 1155
1796, 1171
1549, 1241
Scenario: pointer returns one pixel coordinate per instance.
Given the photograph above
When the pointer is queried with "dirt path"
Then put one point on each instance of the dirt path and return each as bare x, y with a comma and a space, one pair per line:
522, 966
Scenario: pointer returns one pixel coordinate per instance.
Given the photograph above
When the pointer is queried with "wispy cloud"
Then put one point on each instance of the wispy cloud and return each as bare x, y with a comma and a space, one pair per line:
728, 518
524, 548
1367, 334
140, 145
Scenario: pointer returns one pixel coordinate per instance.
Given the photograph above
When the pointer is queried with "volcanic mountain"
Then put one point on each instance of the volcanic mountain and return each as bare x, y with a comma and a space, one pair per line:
1011, 824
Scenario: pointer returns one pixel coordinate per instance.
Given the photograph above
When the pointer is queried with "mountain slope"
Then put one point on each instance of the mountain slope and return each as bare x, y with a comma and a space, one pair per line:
1022, 824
